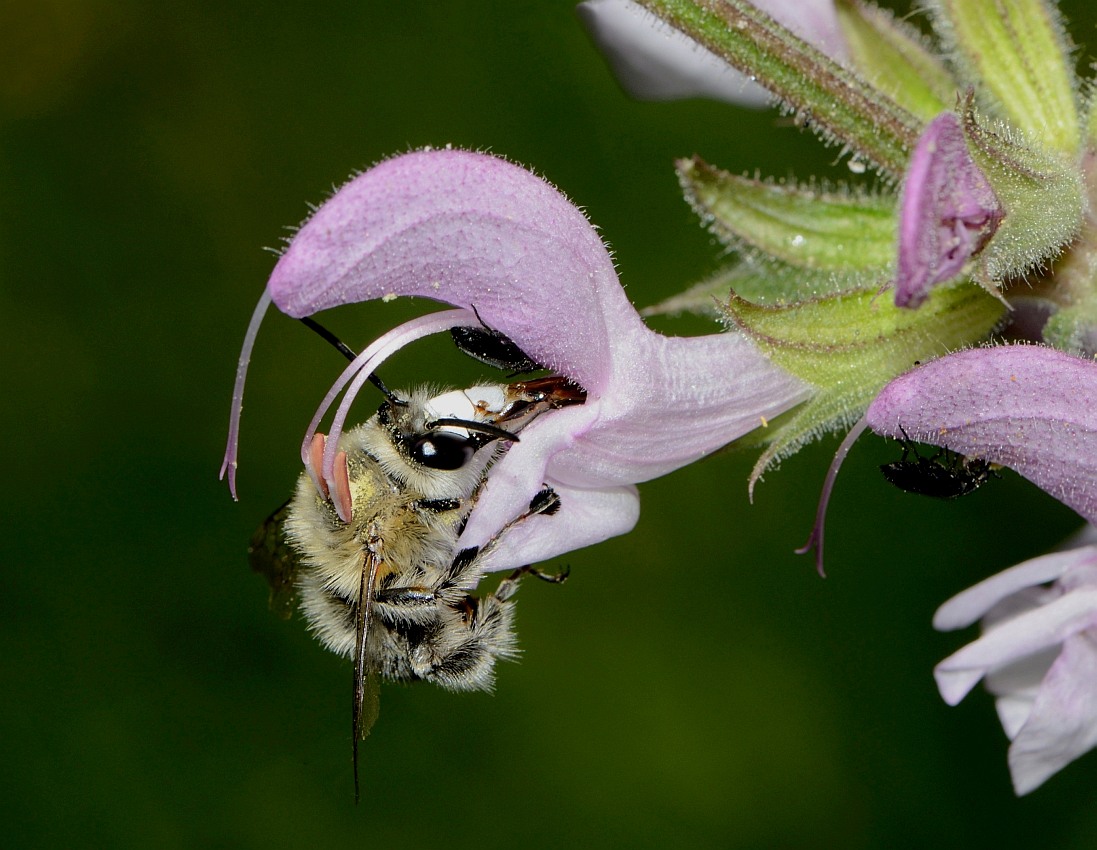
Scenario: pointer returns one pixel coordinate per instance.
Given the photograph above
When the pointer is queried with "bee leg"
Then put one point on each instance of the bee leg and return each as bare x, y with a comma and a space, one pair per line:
464, 571
398, 607
551, 578
406, 597
509, 586
462, 568
546, 502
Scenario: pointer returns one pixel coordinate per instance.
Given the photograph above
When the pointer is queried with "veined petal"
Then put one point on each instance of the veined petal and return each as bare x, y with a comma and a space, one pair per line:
948, 211
680, 399
1063, 722
967, 607
476, 232
585, 517
470, 230
674, 401
1030, 408
653, 61
1037, 655
1014, 639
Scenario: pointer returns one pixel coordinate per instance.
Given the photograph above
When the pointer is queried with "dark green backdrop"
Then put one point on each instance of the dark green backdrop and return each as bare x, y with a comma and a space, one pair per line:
693, 684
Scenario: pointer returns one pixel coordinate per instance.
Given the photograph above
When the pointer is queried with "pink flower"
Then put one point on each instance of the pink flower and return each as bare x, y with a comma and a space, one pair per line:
947, 214
475, 231
1033, 409
1037, 655
1030, 408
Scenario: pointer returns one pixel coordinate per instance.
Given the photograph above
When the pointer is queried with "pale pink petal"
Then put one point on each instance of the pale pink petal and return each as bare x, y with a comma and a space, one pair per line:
652, 61
585, 517
477, 232
1015, 689
948, 211
815, 21
1063, 723
1017, 638
470, 230
1030, 408
491, 238
1037, 655
967, 607
674, 400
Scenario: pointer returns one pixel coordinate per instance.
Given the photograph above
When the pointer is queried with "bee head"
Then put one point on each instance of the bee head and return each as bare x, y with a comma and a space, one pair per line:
434, 443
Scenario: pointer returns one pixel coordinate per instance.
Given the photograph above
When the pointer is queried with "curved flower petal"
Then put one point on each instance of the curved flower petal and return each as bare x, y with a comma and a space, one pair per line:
1019, 637
652, 61
585, 517
1063, 722
1030, 408
967, 607
1038, 656
479, 233
948, 211
674, 401
1015, 688
473, 231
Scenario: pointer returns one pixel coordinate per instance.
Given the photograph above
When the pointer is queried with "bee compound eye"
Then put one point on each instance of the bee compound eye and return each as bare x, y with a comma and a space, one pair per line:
442, 450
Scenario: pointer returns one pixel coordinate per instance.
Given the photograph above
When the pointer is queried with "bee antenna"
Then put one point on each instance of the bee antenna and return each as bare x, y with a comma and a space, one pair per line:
348, 352
482, 427
329, 337
391, 397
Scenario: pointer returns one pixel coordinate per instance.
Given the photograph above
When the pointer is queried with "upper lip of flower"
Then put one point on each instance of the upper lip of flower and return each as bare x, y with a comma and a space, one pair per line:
1028, 407
484, 235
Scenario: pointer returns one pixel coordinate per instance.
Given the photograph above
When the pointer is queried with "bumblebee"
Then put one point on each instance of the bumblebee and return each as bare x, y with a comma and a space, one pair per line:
389, 588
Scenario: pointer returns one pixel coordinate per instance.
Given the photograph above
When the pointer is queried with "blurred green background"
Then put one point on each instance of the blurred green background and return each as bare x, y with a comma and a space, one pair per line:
693, 684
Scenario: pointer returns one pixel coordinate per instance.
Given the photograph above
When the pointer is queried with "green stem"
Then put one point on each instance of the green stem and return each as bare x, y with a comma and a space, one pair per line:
821, 92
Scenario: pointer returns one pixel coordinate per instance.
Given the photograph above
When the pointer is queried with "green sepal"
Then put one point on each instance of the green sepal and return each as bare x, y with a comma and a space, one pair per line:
895, 58
1074, 329
1017, 55
1070, 293
766, 282
799, 225
1043, 195
834, 100
1091, 114
849, 346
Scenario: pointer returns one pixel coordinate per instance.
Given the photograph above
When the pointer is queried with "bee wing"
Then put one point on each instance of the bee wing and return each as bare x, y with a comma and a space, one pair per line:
273, 558
366, 702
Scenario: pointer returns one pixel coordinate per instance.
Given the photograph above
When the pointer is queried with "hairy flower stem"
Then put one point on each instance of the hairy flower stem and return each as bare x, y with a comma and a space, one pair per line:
842, 105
